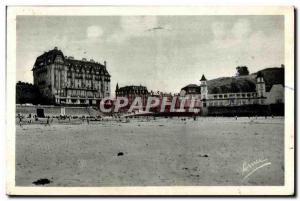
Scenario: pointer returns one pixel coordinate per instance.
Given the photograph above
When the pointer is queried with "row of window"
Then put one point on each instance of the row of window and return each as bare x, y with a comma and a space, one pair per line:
133, 92
97, 87
81, 93
87, 72
236, 102
88, 77
235, 95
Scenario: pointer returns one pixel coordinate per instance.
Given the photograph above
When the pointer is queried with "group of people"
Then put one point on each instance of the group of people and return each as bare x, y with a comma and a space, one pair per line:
31, 118
48, 120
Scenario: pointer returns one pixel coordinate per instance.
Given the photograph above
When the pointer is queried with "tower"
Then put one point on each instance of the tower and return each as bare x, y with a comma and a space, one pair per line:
203, 86
260, 85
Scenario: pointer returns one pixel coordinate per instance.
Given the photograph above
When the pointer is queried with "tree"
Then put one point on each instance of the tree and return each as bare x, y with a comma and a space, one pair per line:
242, 70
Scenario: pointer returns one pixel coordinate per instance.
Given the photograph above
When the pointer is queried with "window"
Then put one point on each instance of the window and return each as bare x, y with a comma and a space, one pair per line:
59, 59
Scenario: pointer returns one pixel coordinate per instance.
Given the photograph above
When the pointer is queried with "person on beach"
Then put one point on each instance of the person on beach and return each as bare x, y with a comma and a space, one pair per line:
20, 120
48, 121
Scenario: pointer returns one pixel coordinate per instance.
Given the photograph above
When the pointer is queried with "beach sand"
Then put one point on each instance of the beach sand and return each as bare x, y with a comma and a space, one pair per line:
161, 152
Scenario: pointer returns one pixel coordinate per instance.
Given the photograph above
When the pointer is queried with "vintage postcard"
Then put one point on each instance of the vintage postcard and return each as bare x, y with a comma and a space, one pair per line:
116, 100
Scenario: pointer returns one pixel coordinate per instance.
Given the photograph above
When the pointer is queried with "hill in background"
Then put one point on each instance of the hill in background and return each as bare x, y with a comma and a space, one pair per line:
246, 83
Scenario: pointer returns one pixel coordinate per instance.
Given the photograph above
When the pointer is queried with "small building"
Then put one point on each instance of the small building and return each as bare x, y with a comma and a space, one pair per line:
131, 92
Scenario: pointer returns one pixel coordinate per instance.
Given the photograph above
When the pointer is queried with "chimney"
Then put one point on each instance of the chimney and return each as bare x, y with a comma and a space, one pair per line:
105, 63
55, 48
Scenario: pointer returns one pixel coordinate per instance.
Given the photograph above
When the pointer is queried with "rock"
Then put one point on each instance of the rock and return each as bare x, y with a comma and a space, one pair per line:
42, 181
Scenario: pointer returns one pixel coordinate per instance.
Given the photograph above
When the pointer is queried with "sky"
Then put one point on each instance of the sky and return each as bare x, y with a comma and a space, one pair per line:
163, 53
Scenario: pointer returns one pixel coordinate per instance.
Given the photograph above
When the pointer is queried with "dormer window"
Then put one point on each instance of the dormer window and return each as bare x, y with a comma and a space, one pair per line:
58, 59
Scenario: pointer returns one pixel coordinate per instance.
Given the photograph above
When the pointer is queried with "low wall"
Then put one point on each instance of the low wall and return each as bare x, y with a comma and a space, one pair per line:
50, 110
247, 110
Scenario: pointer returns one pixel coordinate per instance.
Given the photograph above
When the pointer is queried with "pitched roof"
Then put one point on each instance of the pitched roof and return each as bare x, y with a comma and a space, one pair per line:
49, 58
133, 88
87, 65
192, 89
203, 78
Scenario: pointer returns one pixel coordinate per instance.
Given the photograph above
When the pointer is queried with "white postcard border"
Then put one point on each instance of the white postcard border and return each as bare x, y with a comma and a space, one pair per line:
287, 11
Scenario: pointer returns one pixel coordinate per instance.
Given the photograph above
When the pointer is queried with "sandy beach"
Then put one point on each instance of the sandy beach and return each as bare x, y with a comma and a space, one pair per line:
164, 152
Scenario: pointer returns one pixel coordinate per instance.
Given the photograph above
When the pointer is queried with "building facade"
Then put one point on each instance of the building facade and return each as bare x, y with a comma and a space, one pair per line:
258, 95
69, 81
131, 92
164, 99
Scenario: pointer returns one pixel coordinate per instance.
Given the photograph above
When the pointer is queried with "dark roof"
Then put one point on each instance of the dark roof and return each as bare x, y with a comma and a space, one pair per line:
192, 89
49, 58
190, 86
203, 78
133, 89
87, 65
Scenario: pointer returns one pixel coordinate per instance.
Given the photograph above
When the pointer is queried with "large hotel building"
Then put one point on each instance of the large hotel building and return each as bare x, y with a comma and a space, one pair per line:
68, 81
